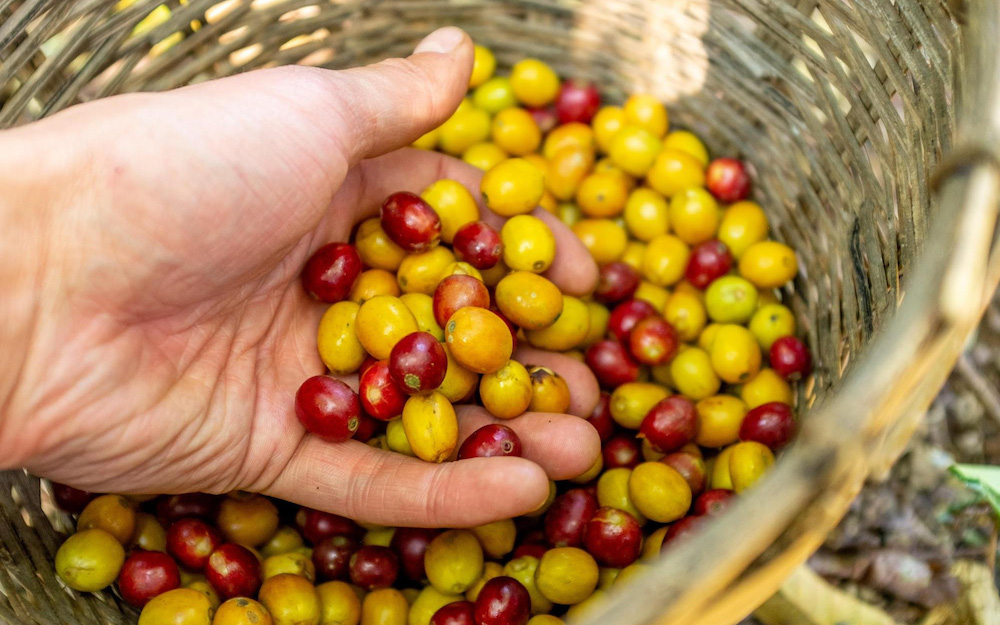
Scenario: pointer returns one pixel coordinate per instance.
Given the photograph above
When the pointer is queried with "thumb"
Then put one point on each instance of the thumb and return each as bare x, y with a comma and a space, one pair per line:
388, 105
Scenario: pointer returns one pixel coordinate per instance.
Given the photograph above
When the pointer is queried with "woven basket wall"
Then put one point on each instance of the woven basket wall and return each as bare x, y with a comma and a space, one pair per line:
873, 125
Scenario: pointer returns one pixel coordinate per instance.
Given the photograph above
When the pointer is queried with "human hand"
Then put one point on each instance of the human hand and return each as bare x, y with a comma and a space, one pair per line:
160, 329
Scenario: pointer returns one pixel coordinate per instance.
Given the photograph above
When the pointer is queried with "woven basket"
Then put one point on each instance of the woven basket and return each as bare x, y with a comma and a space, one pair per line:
874, 126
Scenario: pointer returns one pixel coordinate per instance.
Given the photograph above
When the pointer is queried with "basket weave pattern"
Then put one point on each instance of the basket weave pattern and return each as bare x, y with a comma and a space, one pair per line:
846, 108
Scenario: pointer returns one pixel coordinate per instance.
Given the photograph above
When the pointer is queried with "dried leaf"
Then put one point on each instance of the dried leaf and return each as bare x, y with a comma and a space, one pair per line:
978, 602
807, 599
905, 576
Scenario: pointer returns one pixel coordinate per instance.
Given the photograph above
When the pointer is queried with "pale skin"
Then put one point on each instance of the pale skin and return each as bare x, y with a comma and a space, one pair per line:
155, 329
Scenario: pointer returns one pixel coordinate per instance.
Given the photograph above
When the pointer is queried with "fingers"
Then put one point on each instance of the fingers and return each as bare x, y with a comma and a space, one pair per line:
576, 273
368, 184
564, 445
583, 389
367, 484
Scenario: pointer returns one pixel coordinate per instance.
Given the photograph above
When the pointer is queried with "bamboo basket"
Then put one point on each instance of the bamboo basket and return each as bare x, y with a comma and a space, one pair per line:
875, 129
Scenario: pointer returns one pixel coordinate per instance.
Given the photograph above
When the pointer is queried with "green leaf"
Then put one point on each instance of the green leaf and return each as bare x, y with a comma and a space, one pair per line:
982, 479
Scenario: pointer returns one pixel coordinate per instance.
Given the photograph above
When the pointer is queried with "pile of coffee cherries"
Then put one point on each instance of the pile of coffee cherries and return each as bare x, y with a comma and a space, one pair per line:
685, 332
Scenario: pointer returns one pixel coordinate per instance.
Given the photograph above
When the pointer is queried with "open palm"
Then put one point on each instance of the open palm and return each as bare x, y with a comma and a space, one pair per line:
170, 331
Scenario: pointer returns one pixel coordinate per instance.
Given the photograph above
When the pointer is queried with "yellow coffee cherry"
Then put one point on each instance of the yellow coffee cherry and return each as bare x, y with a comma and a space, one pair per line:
529, 300
612, 492
631, 401
513, 187
460, 268
707, 336
483, 66
428, 140
454, 561
673, 171
718, 471
484, 155
523, 569
575, 135
694, 215
603, 238
497, 538
338, 604
665, 260
768, 264
89, 560
375, 247
686, 313
528, 244
567, 575
771, 322
689, 143
420, 273
381, 322
602, 195
659, 492
516, 132
648, 112
748, 461
692, 374
431, 426
730, 299
395, 437
655, 295
534, 82
766, 387
606, 166
423, 606
506, 393
569, 330
743, 224
337, 339
464, 129
606, 124
598, 323
422, 307
735, 354
459, 382
494, 95
646, 214
567, 169
634, 149
634, 251
454, 205
371, 283
719, 420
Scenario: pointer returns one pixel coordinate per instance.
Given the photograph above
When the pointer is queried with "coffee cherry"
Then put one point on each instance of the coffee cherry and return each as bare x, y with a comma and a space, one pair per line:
331, 271
410, 222
709, 260
328, 408
147, 574
418, 363
727, 180
478, 244
489, 441
566, 520
790, 358
233, 571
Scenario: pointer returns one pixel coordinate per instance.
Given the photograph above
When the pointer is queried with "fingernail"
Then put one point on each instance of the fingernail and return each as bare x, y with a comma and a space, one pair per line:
442, 40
